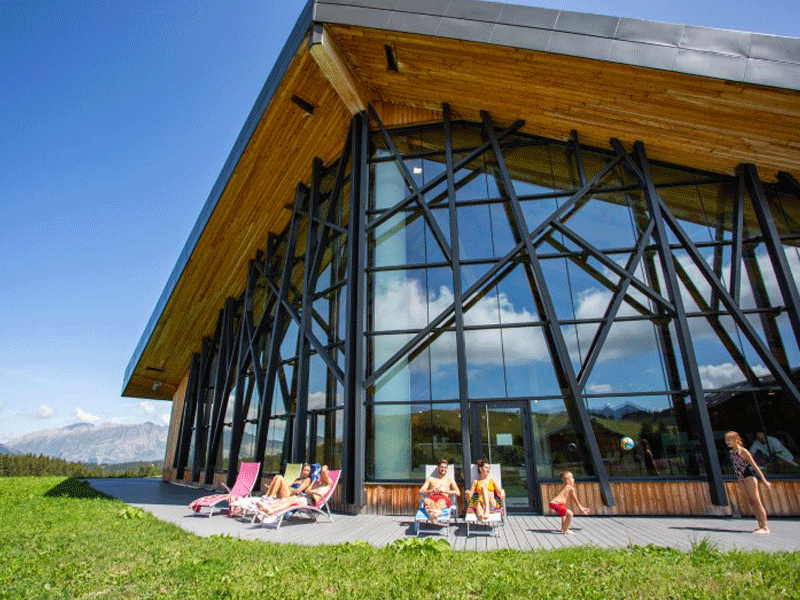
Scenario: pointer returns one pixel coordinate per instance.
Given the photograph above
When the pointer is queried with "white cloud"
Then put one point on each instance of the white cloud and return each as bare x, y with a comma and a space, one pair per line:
316, 400
165, 417
400, 303
599, 388
715, 376
147, 407
44, 412
84, 416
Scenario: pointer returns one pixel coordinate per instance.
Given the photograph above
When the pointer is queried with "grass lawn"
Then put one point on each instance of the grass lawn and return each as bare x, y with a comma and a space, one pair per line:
61, 539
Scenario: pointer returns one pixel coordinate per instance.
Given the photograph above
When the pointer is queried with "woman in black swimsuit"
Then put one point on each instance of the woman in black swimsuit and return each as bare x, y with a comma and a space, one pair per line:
748, 473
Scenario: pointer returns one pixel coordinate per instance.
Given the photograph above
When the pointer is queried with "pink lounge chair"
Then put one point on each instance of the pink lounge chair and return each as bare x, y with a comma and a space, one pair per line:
321, 507
248, 473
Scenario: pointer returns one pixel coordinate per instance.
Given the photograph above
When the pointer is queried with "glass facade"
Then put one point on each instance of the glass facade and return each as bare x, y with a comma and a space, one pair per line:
518, 298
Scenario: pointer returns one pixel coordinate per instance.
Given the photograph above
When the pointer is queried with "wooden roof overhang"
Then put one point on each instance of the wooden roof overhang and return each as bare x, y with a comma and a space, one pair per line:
336, 63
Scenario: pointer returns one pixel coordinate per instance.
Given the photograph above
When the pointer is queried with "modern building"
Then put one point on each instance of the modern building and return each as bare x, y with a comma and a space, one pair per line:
469, 229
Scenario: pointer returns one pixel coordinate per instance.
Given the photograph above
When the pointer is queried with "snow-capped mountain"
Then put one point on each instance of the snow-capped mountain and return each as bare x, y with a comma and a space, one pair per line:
109, 443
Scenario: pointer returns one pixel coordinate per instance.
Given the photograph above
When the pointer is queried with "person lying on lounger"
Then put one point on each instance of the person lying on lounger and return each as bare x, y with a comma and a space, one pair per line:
312, 494
279, 489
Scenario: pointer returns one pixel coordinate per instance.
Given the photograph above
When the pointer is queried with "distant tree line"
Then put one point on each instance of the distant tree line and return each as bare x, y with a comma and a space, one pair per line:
21, 465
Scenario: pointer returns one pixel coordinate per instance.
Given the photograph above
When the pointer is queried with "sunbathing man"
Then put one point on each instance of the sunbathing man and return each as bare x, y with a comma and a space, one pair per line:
437, 490
313, 494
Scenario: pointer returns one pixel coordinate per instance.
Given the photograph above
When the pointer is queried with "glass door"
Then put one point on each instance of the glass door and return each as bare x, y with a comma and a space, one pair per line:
501, 434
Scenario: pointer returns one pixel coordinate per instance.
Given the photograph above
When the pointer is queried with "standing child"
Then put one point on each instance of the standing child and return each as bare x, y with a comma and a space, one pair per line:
748, 474
559, 503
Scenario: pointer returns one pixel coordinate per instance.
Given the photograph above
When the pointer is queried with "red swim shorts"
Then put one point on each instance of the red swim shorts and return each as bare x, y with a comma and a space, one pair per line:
437, 495
561, 509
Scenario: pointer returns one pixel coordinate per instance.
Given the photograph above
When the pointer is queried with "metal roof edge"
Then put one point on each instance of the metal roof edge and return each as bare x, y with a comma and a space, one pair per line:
296, 37
751, 58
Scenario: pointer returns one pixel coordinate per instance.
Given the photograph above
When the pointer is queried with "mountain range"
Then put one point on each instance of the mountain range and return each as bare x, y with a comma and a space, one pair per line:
109, 443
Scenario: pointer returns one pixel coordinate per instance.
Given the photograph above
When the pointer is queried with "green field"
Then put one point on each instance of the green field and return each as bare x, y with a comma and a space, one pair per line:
61, 539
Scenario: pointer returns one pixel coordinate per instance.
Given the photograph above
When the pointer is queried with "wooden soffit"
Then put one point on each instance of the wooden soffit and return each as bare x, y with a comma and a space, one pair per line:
705, 123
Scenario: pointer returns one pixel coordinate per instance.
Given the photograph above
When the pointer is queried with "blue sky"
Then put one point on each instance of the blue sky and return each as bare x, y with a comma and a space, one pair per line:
115, 120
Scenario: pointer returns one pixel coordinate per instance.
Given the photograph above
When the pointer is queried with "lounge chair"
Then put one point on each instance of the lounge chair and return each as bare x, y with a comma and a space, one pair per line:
312, 510
248, 473
244, 507
448, 515
497, 517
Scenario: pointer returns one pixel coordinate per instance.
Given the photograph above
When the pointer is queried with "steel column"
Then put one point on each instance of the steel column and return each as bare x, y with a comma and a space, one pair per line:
189, 408
299, 443
276, 336
353, 452
556, 344
700, 410
772, 241
461, 354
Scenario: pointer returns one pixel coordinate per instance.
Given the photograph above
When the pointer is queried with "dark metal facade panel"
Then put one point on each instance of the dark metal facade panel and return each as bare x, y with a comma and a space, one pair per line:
474, 10
473, 31
720, 41
352, 15
528, 16
643, 55
766, 72
425, 24
649, 32
700, 63
520, 37
382, 4
428, 7
579, 45
586, 24
774, 47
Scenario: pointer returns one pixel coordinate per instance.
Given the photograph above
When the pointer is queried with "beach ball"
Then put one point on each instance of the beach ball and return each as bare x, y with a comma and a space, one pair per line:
626, 443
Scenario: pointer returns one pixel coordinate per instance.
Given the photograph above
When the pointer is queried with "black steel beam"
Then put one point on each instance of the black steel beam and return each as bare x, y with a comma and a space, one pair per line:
189, 408
416, 195
593, 353
531, 238
278, 330
557, 346
219, 402
389, 213
689, 359
299, 442
201, 403
458, 301
737, 227
354, 430
761, 297
772, 241
613, 266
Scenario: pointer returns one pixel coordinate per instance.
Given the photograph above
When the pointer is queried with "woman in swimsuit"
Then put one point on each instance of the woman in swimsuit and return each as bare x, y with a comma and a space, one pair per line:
748, 473
484, 495
279, 488
312, 494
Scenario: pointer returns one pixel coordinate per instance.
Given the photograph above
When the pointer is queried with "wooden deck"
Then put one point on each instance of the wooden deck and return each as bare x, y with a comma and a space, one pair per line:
522, 532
